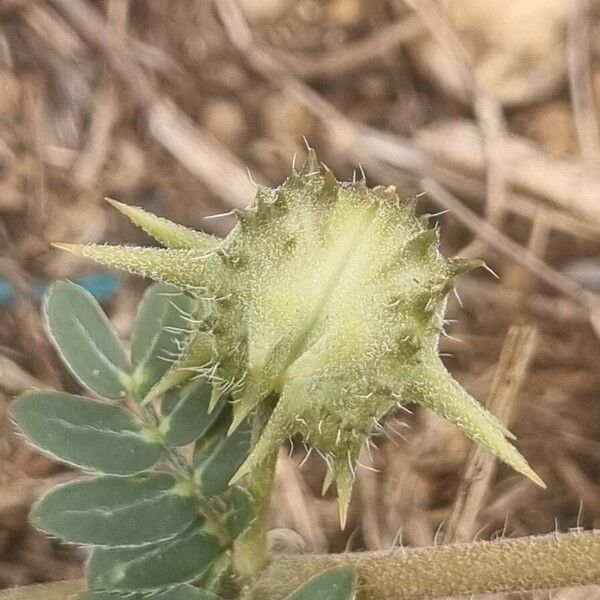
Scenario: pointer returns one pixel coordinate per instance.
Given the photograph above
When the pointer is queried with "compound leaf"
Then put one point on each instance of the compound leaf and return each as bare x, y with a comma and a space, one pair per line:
186, 414
163, 323
116, 511
85, 433
182, 559
338, 583
85, 341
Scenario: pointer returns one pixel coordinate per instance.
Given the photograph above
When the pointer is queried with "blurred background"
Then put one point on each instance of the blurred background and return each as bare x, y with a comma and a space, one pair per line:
490, 108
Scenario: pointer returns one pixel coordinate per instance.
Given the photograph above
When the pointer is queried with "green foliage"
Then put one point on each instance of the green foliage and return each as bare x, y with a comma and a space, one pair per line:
162, 325
86, 433
117, 511
182, 559
186, 414
217, 460
156, 520
83, 337
338, 583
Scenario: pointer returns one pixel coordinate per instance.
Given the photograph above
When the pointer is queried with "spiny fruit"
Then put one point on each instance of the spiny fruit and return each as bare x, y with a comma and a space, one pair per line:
326, 300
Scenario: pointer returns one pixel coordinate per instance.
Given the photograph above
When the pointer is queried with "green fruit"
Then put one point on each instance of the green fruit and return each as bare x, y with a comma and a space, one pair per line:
328, 297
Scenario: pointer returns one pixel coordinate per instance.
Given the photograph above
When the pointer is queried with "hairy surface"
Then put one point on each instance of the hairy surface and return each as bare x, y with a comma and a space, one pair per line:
326, 299
509, 565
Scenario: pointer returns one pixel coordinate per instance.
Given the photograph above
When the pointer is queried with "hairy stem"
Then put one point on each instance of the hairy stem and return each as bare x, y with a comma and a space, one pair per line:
250, 549
540, 562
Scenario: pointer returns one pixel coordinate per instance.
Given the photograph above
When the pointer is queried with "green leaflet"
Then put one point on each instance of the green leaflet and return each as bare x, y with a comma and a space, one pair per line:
85, 341
84, 432
162, 325
241, 512
116, 511
180, 560
186, 413
181, 592
218, 459
338, 583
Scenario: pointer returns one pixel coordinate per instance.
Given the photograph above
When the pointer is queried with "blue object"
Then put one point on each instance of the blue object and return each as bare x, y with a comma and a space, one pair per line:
102, 286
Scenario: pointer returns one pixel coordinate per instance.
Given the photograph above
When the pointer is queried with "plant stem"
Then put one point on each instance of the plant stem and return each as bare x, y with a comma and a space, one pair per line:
250, 549
541, 562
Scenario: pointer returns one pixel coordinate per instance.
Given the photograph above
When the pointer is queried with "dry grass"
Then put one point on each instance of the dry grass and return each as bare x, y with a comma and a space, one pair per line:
166, 104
